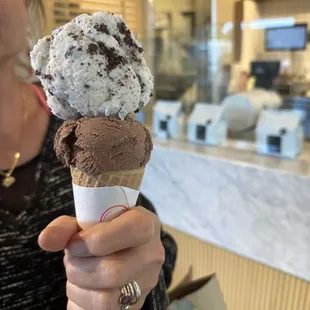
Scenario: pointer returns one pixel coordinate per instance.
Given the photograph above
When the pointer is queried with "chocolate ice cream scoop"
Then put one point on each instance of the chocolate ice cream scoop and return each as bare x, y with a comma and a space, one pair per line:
96, 145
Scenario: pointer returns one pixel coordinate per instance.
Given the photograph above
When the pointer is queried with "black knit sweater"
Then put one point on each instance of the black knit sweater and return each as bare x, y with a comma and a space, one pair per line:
33, 279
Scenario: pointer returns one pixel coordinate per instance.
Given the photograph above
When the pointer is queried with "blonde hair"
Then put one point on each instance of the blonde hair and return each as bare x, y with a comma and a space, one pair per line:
23, 67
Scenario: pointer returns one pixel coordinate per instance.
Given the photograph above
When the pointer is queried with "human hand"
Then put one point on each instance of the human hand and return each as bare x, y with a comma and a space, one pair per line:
105, 257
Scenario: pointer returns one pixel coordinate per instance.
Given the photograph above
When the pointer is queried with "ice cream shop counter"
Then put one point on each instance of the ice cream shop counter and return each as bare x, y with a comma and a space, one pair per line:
255, 206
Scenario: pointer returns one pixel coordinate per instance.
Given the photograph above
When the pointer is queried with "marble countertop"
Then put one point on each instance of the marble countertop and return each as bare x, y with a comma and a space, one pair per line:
255, 206
243, 153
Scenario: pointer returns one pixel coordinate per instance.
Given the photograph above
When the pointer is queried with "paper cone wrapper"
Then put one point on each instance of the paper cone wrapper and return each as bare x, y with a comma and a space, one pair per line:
103, 198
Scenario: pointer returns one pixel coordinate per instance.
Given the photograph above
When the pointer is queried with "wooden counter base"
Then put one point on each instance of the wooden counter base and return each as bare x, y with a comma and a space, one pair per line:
246, 285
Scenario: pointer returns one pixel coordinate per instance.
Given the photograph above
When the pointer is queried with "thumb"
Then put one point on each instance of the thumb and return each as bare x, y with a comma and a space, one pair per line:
58, 233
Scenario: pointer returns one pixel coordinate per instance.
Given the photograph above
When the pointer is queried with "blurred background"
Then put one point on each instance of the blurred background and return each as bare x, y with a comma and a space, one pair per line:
233, 75
204, 50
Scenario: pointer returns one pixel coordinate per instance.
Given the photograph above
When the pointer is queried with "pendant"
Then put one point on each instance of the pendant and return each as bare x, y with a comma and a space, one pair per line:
8, 181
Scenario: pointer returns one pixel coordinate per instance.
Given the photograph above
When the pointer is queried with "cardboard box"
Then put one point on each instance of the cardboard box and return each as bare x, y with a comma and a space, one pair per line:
206, 125
168, 119
280, 133
202, 294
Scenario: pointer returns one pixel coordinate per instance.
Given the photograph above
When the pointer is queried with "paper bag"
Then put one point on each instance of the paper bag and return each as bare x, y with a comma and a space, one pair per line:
202, 294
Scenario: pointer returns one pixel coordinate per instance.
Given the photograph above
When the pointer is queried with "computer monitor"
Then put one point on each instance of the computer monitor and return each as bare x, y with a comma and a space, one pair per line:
287, 38
265, 73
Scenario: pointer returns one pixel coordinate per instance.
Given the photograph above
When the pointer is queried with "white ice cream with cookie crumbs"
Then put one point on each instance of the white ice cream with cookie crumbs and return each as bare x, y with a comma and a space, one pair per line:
93, 66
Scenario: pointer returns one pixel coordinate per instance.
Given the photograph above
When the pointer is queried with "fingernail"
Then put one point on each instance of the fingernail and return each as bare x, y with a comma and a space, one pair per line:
50, 231
58, 224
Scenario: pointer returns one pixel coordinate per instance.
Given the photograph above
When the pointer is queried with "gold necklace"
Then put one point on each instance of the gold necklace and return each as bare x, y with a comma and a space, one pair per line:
8, 179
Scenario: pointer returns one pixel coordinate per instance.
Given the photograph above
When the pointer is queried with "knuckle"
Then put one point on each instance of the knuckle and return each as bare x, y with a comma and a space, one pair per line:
93, 244
160, 255
142, 226
65, 260
71, 274
156, 221
157, 259
68, 291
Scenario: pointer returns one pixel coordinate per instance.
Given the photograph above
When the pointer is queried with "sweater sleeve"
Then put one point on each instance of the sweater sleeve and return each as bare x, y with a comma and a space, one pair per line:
158, 298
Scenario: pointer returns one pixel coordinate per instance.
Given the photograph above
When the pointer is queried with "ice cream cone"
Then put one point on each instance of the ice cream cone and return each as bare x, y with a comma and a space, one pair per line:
131, 179
105, 197
98, 136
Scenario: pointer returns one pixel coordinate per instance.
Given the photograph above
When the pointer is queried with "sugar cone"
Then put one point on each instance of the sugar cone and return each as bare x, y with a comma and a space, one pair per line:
130, 179
105, 197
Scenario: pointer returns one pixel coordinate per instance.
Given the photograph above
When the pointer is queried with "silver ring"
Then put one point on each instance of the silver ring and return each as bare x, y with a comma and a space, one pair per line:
137, 290
130, 295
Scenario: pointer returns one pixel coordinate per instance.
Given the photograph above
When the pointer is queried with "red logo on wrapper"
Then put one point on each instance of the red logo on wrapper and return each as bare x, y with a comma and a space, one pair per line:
112, 213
